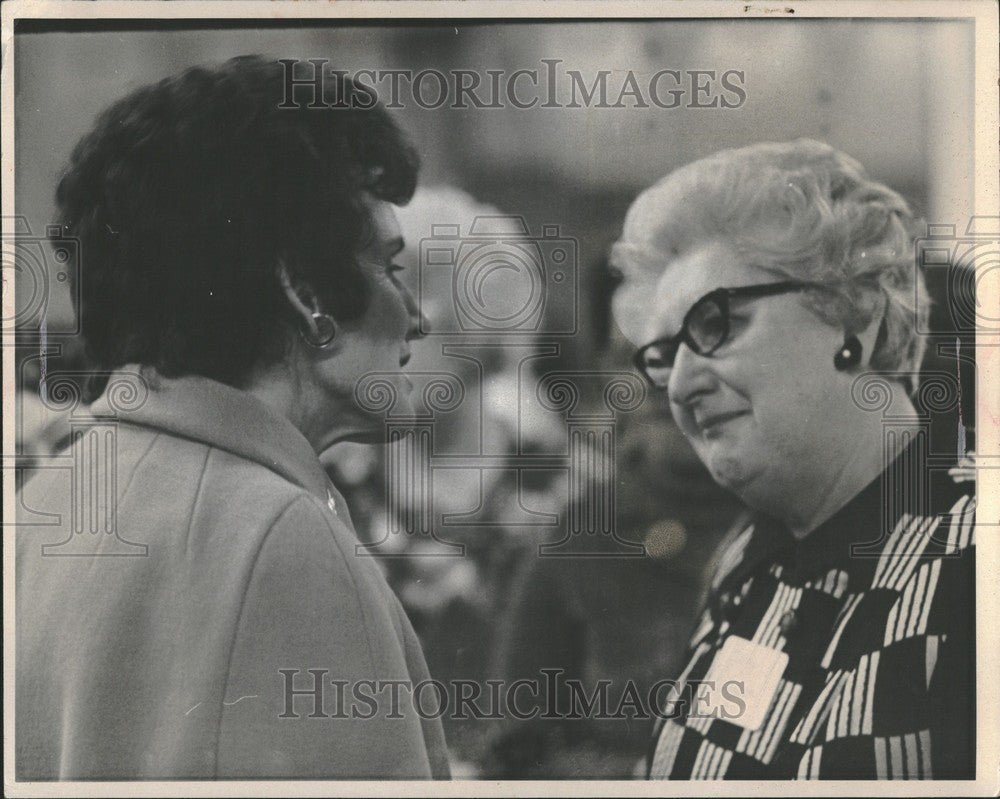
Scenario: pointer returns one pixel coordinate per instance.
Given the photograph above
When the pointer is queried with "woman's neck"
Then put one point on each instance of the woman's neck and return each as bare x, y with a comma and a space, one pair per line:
865, 457
278, 387
323, 415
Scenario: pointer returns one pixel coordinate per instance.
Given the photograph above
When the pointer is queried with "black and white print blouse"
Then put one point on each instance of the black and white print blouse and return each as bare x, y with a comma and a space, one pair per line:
879, 630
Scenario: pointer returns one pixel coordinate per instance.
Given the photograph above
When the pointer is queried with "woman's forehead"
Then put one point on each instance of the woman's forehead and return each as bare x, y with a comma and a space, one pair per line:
710, 262
663, 218
384, 238
658, 228
692, 274
658, 288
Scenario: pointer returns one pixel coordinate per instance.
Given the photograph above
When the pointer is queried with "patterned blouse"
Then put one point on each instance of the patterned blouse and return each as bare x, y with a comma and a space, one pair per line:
879, 633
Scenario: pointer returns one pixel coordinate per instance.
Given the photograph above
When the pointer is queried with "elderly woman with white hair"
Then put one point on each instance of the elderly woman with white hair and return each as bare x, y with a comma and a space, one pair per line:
763, 286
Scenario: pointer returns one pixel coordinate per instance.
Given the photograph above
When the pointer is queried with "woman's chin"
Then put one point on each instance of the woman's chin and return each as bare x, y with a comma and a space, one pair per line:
728, 469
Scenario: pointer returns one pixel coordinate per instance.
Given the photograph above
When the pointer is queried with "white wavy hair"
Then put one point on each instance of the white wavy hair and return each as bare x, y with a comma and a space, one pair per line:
806, 211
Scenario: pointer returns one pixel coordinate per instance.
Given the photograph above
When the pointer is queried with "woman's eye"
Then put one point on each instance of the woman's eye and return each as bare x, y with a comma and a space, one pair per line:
737, 324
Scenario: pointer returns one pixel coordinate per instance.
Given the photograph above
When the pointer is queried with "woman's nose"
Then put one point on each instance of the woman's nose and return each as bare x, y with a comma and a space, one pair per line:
690, 377
419, 324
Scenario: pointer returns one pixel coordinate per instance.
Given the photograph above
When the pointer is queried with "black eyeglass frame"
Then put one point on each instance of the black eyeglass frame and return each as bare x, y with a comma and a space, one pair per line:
721, 297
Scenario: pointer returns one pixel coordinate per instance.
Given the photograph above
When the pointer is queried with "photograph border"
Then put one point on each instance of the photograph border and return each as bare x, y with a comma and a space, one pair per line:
983, 14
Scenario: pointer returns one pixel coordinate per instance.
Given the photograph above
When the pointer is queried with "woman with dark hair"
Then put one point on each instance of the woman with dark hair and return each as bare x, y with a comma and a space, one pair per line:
237, 269
772, 295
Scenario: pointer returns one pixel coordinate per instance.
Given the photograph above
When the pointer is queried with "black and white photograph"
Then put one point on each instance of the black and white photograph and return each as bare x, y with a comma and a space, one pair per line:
513, 398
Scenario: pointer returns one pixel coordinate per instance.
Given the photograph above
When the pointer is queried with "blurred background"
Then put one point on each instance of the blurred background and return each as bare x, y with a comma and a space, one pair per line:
897, 95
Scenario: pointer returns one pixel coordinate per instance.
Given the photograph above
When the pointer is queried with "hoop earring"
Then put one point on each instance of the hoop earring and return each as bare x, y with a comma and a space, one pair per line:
848, 356
326, 331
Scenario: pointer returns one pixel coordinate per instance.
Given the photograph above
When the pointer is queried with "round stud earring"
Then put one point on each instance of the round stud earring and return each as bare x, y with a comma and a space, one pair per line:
849, 355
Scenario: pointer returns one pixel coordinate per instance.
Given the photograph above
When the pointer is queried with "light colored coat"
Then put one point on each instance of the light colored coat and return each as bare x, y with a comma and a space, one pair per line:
167, 664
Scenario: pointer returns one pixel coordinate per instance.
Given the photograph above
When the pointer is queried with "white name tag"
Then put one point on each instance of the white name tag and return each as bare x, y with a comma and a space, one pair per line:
743, 673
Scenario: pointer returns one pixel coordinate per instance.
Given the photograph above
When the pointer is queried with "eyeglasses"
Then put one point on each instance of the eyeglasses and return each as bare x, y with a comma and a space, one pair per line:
705, 328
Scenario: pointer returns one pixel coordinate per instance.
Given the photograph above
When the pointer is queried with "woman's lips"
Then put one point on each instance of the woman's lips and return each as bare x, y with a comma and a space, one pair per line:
707, 423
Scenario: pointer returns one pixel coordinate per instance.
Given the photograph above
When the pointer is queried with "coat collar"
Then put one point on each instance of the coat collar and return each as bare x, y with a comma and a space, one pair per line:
211, 412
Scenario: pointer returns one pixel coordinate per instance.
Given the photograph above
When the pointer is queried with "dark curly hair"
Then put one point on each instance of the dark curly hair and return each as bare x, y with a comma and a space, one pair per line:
188, 193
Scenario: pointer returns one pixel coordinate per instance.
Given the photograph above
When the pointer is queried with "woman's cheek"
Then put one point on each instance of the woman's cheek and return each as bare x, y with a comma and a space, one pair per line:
388, 318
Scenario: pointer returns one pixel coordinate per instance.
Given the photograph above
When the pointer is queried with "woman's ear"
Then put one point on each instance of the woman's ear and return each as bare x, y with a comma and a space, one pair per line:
302, 299
319, 330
